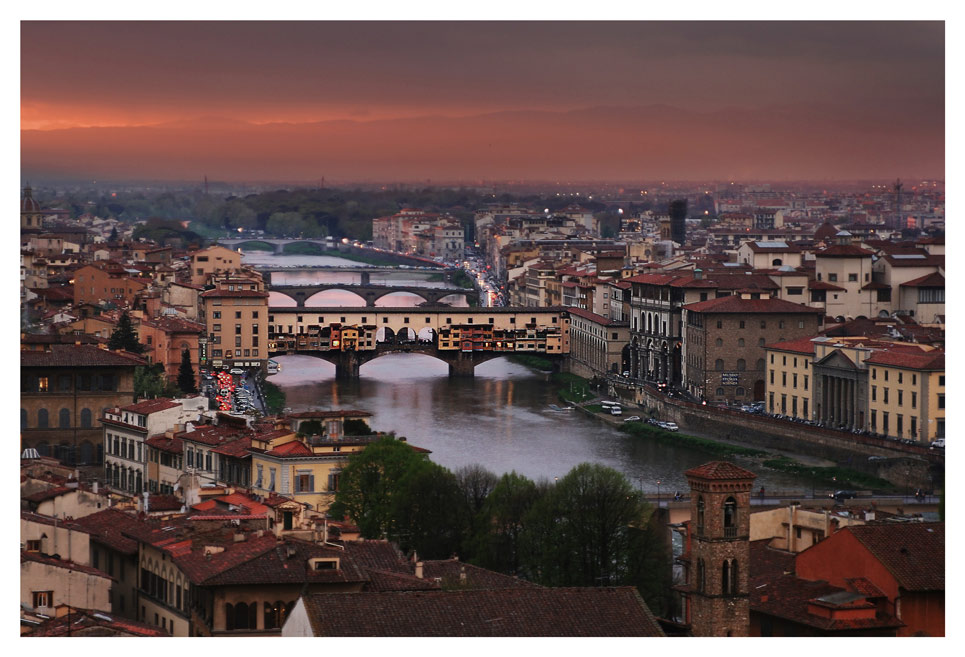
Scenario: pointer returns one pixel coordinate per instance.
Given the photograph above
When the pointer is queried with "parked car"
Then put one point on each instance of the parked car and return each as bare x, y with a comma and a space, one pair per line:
842, 495
671, 426
236, 370
633, 418
616, 410
938, 443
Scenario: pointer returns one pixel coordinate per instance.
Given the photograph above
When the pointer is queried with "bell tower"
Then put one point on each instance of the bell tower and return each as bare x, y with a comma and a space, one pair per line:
720, 498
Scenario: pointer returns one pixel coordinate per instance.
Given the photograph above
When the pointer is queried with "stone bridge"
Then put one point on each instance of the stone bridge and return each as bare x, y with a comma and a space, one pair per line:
347, 363
371, 293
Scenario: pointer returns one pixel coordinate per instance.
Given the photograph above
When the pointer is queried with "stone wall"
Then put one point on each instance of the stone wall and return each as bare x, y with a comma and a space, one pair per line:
912, 467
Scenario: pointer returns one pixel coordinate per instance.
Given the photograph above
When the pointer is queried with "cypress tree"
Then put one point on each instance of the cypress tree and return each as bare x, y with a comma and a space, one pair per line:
125, 337
186, 374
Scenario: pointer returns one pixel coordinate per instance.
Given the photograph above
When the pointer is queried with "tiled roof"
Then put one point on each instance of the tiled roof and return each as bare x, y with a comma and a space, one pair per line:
236, 448
158, 502
294, 448
843, 251
735, 304
190, 557
914, 553
927, 261
799, 346
53, 522
84, 622
384, 580
62, 355
451, 571
288, 563
824, 285
874, 285
62, 563
107, 525
928, 280
165, 444
377, 555
719, 470
618, 611
149, 406
593, 317
209, 434
48, 493
929, 360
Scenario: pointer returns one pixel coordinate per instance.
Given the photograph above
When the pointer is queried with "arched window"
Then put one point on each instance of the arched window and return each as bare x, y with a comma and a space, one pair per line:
720, 392
760, 342
728, 577
730, 517
701, 575
85, 418
700, 514
719, 364
229, 616
741, 365
740, 392
275, 614
241, 616
776, 262
23, 418
64, 419
760, 364
42, 419
740, 342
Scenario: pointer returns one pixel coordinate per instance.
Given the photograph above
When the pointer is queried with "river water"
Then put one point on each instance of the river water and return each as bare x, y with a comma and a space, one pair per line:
500, 419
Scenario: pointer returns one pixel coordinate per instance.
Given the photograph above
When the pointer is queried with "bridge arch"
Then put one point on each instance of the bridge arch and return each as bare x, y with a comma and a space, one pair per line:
455, 299
336, 297
391, 299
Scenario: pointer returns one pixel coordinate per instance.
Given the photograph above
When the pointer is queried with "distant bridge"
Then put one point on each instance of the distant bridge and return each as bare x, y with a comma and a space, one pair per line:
280, 244
300, 331
371, 293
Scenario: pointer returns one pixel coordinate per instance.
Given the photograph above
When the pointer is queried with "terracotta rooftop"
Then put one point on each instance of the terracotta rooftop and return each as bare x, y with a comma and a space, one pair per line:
149, 406
593, 317
914, 553
165, 443
799, 346
62, 355
928, 280
927, 361
455, 573
618, 611
106, 526
736, 304
85, 622
719, 470
378, 555
210, 294
288, 563
843, 251
62, 563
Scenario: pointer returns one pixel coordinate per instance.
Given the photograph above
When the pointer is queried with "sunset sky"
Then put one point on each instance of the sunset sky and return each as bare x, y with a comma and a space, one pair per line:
538, 100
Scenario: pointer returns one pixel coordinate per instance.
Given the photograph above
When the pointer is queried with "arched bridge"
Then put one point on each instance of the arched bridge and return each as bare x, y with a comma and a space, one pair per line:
461, 337
371, 293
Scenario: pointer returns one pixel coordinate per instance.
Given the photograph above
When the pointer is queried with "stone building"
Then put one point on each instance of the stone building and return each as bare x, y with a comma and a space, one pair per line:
64, 390
725, 342
236, 320
598, 345
718, 550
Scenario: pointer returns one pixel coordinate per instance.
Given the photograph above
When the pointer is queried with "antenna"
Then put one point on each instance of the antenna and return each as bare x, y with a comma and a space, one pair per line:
897, 185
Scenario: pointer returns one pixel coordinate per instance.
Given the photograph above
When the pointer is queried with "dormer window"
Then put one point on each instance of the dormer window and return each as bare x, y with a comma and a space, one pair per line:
323, 564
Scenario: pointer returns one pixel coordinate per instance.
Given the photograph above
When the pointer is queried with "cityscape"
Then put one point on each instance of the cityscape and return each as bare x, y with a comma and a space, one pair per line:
482, 328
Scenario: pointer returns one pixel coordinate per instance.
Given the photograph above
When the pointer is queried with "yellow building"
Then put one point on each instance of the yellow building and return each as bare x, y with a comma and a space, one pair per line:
212, 260
235, 319
795, 529
788, 383
907, 394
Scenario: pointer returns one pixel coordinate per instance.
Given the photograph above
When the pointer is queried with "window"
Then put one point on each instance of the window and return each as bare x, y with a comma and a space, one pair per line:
304, 483
874, 393
741, 365
730, 517
334, 479
941, 401
64, 418
720, 392
805, 381
719, 365
720, 324
931, 295
760, 342
941, 380
852, 278
728, 581
719, 342
740, 342
43, 420
833, 278
216, 314
900, 395
914, 400
43, 599
763, 324
742, 323
700, 514
85, 418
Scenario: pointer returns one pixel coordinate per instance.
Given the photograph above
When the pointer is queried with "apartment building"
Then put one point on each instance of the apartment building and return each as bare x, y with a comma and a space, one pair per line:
235, 316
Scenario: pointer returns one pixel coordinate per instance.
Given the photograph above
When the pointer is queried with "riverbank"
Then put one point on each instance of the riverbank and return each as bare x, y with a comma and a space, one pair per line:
577, 390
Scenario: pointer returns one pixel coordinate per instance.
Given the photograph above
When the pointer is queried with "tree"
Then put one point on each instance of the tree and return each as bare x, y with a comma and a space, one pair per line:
369, 484
311, 428
125, 337
186, 381
423, 516
113, 236
475, 483
150, 382
357, 427
499, 534
581, 531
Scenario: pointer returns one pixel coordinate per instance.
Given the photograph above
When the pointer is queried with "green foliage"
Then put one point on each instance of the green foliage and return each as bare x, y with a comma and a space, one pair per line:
833, 477
166, 231
357, 427
311, 428
304, 248
150, 382
186, 379
274, 398
498, 540
644, 430
532, 361
369, 484
113, 236
125, 337
462, 279
572, 388
423, 516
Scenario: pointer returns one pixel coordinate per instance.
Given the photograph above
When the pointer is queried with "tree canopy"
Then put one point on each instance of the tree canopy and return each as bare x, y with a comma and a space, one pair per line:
125, 337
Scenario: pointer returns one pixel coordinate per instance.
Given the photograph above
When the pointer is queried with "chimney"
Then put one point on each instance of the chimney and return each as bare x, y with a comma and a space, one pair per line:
462, 574
147, 501
94, 487
418, 569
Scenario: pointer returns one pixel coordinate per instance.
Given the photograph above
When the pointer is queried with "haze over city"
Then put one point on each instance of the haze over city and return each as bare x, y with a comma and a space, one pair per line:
295, 101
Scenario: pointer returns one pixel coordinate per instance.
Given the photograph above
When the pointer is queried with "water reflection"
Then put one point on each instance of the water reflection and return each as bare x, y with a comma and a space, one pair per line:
500, 419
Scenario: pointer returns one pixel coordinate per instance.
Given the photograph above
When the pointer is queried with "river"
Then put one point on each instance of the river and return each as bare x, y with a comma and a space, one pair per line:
500, 419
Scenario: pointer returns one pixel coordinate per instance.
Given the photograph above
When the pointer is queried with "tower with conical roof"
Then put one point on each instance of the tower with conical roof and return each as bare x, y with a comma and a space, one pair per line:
717, 595
30, 215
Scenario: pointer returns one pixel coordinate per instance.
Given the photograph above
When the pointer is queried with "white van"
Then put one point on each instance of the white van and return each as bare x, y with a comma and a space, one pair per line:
616, 410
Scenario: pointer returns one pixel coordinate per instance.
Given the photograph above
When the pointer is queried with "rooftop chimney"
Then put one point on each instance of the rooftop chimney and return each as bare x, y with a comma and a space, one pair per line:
418, 569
